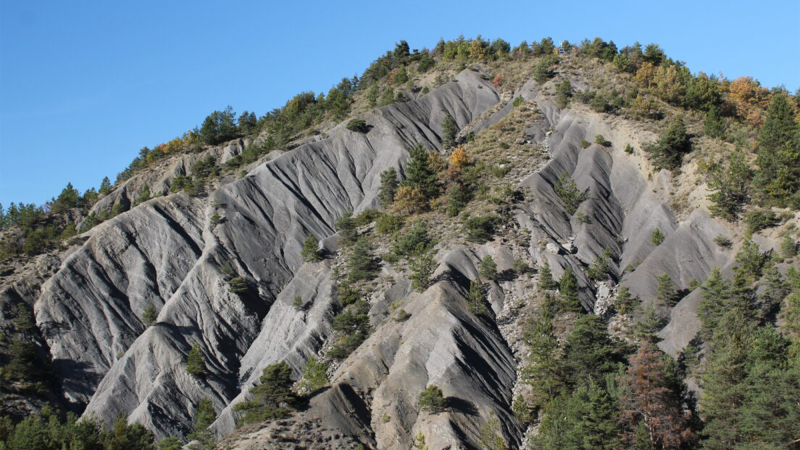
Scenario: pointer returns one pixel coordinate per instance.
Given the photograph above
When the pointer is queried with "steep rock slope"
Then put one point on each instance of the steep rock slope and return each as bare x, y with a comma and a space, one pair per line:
166, 252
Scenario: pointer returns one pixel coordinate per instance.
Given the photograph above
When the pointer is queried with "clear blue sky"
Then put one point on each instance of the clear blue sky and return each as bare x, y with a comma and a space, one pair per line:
85, 84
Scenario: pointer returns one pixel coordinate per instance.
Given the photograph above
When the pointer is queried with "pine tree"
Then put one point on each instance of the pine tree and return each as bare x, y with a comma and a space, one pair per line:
149, 315
204, 416
388, 189
666, 292
488, 269
24, 321
625, 302
422, 267
195, 363
419, 173
105, 186
449, 131
714, 301
648, 325
563, 93
568, 192
490, 437
432, 400
346, 226
476, 300
270, 396
731, 186
361, 262
778, 159
546, 280
652, 395
657, 237
568, 288
714, 126
588, 351
311, 251
668, 151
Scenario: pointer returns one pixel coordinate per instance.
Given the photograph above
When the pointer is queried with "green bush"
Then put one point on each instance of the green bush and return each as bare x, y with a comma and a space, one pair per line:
568, 192
311, 251
584, 143
361, 262
487, 269
518, 101
759, 220
358, 126
195, 363
271, 397
422, 268
389, 224
599, 139
657, 237
432, 400
415, 241
667, 152
480, 229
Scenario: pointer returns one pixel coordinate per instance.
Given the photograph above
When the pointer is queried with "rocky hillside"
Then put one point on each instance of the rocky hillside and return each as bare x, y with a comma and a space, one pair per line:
558, 190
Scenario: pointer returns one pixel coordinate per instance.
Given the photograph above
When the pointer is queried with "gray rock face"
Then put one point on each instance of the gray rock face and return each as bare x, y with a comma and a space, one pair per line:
167, 254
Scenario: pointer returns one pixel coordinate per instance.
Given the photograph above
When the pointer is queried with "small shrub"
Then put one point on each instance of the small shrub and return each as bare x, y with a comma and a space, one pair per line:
568, 192
628, 149
366, 217
401, 315
432, 400
311, 251
422, 267
657, 237
520, 267
414, 242
487, 268
271, 396
788, 247
358, 126
389, 224
195, 363
476, 300
723, 241
599, 139
297, 304
237, 285
149, 316
518, 102
315, 375
584, 143
760, 220
347, 295
480, 229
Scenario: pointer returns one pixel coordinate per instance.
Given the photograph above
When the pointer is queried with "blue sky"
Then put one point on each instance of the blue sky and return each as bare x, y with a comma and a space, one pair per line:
84, 85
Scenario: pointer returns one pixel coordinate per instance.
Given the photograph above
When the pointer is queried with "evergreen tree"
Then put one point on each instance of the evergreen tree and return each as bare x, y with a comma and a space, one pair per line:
714, 126
568, 288
361, 263
204, 416
388, 189
476, 300
218, 127
714, 301
487, 268
195, 362
666, 292
625, 302
490, 437
731, 186
311, 251
432, 400
422, 267
69, 198
568, 192
459, 197
778, 159
668, 151
546, 280
149, 315
449, 131
144, 195
544, 371
271, 396
105, 186
420, 174
563, 93
315, 375
648, 325
588, 351
24, 321
657, 237
346, 226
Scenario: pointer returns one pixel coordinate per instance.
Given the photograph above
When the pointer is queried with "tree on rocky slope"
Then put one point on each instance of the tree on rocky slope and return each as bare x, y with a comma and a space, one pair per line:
272, 396
667, 152
778, 160
195, 363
